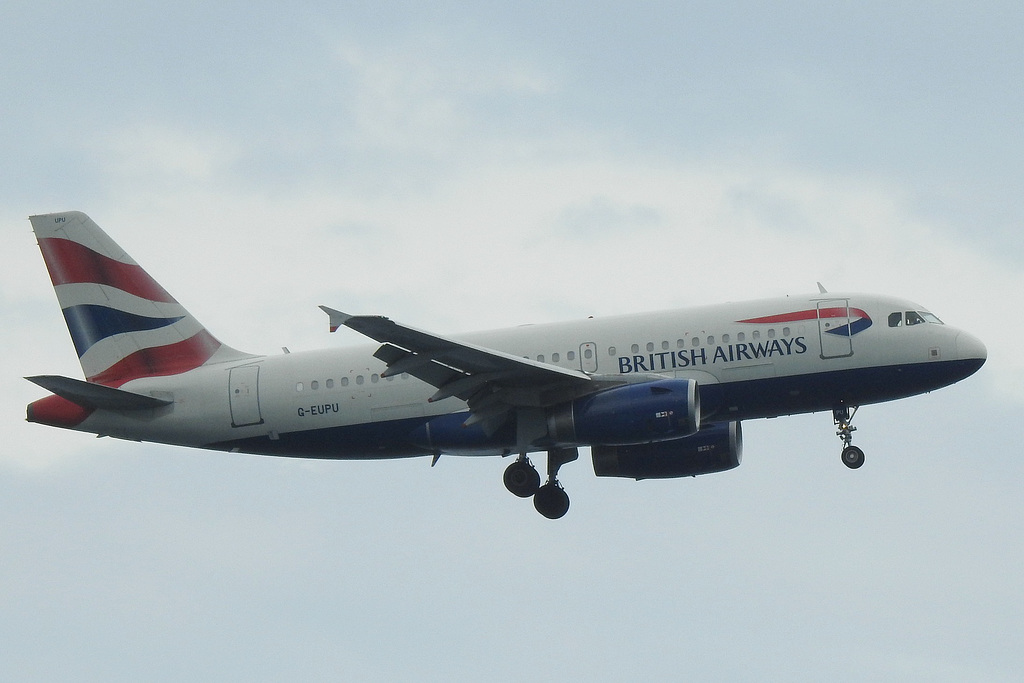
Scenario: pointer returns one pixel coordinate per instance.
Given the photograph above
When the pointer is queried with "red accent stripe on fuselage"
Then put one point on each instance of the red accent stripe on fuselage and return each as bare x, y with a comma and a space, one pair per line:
70, 262
812, 314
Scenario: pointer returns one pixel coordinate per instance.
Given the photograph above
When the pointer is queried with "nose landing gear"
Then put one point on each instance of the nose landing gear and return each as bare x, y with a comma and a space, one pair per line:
851, 456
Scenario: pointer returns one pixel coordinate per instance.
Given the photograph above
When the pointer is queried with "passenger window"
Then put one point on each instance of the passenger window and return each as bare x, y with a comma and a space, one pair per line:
680, 343
344, 381
785, 331
650, 346
695, 342
895, 319
588, 354
725, 339
555, 358
298, 386
330, 384
611, 350
570, 355
636, 348
359, 379
711, 340
540, 358
314, 385
374, 378
740, 337
756, 335
771, 333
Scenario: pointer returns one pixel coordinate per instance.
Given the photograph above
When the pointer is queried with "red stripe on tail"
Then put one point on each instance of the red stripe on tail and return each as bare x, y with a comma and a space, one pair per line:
171, 359
70, 262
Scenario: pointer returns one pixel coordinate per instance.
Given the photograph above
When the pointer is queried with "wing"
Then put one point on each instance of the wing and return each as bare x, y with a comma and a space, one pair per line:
491, 382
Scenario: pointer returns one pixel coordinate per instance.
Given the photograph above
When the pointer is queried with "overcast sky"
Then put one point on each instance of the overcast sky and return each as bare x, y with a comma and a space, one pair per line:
460, 168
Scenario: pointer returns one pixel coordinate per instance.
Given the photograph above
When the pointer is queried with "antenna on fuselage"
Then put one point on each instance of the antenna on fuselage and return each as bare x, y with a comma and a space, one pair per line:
821, 288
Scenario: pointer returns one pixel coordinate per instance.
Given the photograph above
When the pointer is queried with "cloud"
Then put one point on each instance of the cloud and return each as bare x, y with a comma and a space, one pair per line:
420, 96
162, 154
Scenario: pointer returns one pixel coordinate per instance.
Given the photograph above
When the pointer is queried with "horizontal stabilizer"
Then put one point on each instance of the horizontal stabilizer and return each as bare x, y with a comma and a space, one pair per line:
90, 395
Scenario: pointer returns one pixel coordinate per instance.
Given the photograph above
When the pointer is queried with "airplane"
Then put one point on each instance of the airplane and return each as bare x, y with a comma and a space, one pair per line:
653, 395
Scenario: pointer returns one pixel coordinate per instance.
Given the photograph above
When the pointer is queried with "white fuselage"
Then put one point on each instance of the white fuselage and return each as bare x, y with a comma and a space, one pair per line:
749, 359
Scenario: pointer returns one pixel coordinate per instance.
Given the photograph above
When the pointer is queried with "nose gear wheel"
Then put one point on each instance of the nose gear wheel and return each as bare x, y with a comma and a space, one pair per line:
851, 456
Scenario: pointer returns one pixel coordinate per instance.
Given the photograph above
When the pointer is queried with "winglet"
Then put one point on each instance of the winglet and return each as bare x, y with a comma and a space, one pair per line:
337, 317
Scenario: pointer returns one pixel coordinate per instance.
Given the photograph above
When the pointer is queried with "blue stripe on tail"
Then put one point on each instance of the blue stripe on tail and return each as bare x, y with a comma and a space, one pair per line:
90, 323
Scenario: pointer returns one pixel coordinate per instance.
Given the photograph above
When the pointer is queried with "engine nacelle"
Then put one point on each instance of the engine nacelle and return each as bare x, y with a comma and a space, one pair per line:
715, 448
632, 414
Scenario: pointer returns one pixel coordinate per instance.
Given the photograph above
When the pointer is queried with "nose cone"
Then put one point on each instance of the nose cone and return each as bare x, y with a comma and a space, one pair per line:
970, 349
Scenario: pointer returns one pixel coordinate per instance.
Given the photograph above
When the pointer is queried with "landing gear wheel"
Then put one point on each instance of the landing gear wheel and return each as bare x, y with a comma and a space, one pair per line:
551, 500
521, 478
853, 457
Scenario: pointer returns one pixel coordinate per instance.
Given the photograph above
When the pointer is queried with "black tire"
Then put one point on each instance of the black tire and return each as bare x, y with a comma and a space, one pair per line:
521, 479
551, 501
853, 457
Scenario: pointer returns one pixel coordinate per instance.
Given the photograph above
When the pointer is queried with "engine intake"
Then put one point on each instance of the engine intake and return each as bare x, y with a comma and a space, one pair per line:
632, 414
716, 448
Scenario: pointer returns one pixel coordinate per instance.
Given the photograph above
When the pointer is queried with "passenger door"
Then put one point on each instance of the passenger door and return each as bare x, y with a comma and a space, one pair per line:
243, 388
834, 328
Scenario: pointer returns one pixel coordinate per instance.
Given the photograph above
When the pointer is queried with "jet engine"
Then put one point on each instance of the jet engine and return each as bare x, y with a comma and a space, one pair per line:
631, 414
715, 448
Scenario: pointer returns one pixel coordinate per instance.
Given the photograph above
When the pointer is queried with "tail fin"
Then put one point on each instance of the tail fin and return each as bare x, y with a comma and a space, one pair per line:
123, 323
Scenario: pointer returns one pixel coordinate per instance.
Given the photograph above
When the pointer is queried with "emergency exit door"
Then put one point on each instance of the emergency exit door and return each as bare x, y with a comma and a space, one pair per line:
588, 357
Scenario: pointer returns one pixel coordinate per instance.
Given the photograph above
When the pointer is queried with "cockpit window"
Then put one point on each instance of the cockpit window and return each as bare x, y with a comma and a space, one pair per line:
914, 318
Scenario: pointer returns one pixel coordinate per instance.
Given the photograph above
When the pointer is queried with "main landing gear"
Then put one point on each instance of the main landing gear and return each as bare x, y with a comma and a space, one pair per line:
522, 479
852, 456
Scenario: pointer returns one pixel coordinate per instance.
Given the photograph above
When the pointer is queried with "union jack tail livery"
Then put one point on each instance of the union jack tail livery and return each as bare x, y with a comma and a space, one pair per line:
123, 323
